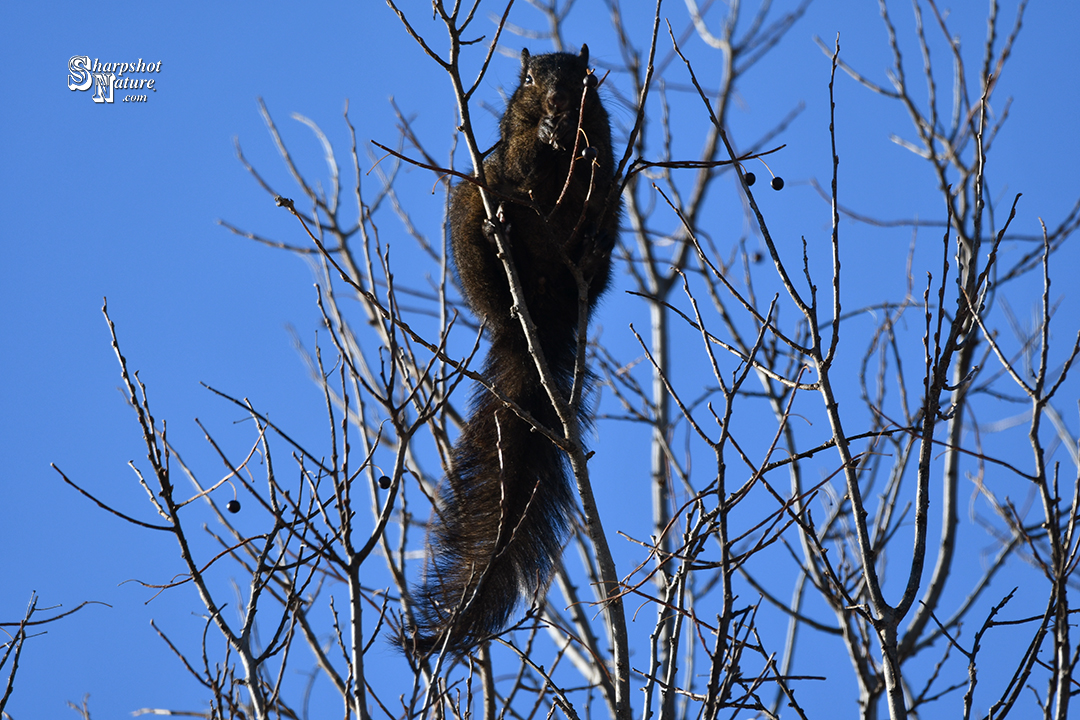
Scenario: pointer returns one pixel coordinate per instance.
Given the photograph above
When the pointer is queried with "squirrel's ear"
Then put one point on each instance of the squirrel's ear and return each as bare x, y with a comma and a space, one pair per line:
524, 57
584, 55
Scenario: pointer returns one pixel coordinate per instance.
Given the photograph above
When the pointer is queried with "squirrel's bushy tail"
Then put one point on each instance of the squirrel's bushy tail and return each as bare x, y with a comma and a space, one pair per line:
504, 511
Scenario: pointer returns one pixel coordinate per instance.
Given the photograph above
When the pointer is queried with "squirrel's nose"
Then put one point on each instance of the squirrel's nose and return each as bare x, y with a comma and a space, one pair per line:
558, 100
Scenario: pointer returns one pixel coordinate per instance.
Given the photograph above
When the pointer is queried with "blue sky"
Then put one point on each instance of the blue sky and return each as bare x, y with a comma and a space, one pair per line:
122, 201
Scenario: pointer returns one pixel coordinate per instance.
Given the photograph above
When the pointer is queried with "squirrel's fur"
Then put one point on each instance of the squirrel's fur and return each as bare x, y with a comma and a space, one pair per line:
507, 504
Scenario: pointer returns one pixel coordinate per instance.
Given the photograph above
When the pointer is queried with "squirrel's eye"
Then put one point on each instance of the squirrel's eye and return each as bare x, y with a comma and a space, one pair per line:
528, 79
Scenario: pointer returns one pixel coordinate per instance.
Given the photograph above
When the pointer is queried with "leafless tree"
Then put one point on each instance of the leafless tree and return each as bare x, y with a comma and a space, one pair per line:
29, 626
775, 506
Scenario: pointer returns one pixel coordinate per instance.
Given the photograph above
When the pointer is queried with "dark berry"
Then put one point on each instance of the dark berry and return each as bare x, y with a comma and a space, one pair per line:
384, 482
233, 506
751, 178
589, 153
591, 81
757, 257
777, 183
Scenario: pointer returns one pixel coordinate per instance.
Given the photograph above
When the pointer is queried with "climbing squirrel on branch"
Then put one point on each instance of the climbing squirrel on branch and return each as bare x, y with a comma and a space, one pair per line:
507, 504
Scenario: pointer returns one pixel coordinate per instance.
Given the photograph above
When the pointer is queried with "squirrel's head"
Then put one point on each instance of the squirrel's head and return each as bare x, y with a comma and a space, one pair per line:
551, 87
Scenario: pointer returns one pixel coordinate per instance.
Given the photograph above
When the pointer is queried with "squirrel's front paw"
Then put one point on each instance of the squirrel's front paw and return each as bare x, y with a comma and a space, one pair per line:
548, 132
489, 228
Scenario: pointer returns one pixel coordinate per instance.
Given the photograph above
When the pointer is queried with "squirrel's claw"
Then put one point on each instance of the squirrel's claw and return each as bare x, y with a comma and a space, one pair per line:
489, 228
548, 133
596, 252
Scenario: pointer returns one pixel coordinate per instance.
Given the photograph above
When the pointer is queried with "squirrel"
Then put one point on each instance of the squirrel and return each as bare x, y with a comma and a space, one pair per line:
506, 506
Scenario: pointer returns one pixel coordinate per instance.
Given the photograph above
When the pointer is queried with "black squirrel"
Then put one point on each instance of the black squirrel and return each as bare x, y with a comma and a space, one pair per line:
507, 504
